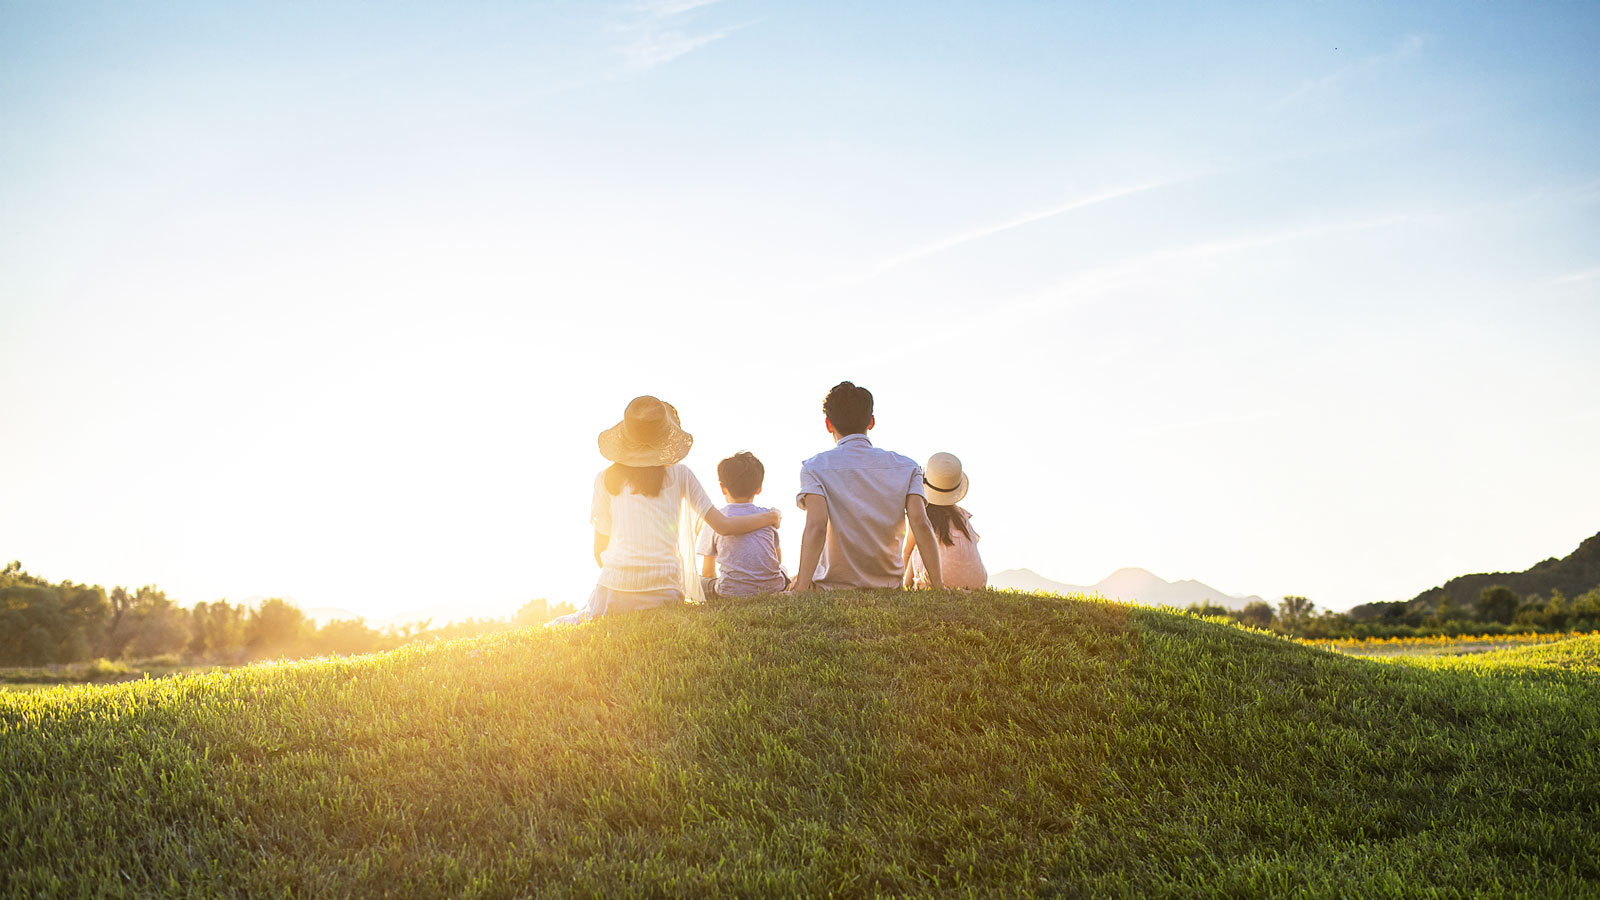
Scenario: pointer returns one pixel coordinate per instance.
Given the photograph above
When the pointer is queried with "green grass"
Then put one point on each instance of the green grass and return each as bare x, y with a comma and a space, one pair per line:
99, 671
851, 745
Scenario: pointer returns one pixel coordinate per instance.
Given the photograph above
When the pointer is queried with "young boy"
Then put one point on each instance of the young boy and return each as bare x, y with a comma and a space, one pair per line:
749, 563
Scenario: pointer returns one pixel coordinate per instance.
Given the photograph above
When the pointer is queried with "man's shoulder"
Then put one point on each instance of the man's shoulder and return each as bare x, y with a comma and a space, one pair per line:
821, 460
854, 456
897, 458
881, 458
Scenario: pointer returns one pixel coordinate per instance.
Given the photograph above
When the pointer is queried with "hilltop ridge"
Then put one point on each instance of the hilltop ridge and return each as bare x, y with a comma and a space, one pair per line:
831, 744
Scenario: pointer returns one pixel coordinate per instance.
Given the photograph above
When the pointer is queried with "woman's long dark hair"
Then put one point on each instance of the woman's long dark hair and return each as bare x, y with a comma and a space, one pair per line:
646, 480
945, 517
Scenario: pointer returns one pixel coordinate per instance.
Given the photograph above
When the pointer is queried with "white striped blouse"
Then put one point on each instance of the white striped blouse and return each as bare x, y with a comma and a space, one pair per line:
643, 553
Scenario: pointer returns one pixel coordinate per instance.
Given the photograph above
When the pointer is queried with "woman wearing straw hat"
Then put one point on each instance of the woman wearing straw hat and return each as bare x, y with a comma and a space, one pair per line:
647, 509
959, 562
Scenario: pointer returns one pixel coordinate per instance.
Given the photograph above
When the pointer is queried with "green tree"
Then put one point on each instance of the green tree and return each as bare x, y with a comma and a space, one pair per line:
1445, 613
157, 625
1497, 603
143, 623
14, 574
534, 612
44, 623
87, 614
1557, 612
217, 631
1256, 614
32, 624
1293, 612
345, 637
38, 647
276, 628
539, 611
118, 630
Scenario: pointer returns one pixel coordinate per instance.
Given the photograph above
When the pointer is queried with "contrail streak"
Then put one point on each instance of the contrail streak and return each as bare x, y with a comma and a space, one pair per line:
998, 227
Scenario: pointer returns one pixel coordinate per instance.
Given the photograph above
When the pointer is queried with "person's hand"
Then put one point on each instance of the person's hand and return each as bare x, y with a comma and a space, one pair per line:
774, 518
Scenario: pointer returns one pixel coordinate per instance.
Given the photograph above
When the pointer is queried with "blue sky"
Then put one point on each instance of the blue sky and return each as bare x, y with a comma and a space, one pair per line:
329, 301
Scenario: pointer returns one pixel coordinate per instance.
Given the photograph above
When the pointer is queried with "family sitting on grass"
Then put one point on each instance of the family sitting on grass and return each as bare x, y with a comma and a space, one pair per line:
858, 499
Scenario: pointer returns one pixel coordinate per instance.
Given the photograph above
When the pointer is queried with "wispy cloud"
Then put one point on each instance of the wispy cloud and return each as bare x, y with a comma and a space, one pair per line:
659, 36
994, 228
1408, 48
1177, 264
655, 48
665, 8
1578, 277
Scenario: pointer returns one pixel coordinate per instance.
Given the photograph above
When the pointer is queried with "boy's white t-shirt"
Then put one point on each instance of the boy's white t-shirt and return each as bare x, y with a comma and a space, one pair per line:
643, 553
746, 563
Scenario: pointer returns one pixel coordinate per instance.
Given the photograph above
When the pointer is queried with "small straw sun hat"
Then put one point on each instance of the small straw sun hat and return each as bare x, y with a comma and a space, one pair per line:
946, 484
648, 435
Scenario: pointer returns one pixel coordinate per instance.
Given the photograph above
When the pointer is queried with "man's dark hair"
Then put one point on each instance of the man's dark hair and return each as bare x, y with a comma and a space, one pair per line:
741, 474
849, 408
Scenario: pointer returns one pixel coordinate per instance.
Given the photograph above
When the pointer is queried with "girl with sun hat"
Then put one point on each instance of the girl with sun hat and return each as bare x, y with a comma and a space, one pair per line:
959, 562
646, 510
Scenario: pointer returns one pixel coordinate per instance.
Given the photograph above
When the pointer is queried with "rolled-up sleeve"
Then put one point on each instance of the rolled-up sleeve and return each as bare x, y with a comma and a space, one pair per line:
600, 507
699, 500
809, 484
916, 486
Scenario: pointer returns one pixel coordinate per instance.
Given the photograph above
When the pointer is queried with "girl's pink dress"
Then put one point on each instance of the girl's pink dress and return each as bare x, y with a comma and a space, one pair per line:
960, 566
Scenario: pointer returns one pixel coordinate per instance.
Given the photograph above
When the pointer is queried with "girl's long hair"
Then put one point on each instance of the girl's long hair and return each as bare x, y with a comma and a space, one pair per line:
944, 518
645, 480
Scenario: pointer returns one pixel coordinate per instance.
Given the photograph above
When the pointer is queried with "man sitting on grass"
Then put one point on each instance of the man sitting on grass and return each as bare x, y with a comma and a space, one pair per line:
857, 500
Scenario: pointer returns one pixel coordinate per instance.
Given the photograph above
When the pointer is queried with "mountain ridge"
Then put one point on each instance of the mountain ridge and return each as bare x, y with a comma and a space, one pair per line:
1573, 574
1128, 583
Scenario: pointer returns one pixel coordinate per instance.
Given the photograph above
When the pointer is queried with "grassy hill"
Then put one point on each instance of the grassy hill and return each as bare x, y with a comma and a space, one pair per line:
851, 745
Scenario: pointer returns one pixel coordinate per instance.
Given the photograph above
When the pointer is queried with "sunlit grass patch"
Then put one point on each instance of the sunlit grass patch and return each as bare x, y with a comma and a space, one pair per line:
847, 744
1437, 644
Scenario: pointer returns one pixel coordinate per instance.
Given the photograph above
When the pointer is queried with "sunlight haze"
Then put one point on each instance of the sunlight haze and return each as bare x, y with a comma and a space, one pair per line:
330, 302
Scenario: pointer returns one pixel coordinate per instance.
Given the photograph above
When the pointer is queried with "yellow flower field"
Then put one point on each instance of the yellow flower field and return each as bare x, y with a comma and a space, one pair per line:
1439, 644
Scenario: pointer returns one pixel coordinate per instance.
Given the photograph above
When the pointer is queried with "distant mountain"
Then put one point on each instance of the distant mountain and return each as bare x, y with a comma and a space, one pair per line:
1126, 584
1029, 580
1574, 574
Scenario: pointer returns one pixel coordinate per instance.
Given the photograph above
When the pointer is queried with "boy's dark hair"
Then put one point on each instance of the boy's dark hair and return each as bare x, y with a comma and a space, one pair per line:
849, 408
741, 474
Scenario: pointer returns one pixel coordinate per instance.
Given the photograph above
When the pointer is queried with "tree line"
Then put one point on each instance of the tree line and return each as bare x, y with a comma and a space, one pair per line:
43, 624
1497, 609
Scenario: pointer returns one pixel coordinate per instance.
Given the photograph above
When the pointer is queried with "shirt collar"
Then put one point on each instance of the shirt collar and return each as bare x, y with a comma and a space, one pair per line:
853, 437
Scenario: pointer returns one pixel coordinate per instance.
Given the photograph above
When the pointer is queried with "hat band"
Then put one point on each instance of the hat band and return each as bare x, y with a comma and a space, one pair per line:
941, 490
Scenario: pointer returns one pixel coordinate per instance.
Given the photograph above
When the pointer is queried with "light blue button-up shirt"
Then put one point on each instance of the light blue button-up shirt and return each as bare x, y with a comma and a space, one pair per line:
866, 490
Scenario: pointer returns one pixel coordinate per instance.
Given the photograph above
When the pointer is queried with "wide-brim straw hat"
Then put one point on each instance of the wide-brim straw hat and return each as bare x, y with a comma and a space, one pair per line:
649, 434
944, 482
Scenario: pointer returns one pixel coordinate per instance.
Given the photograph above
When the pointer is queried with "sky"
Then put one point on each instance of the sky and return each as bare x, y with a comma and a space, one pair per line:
329, 301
